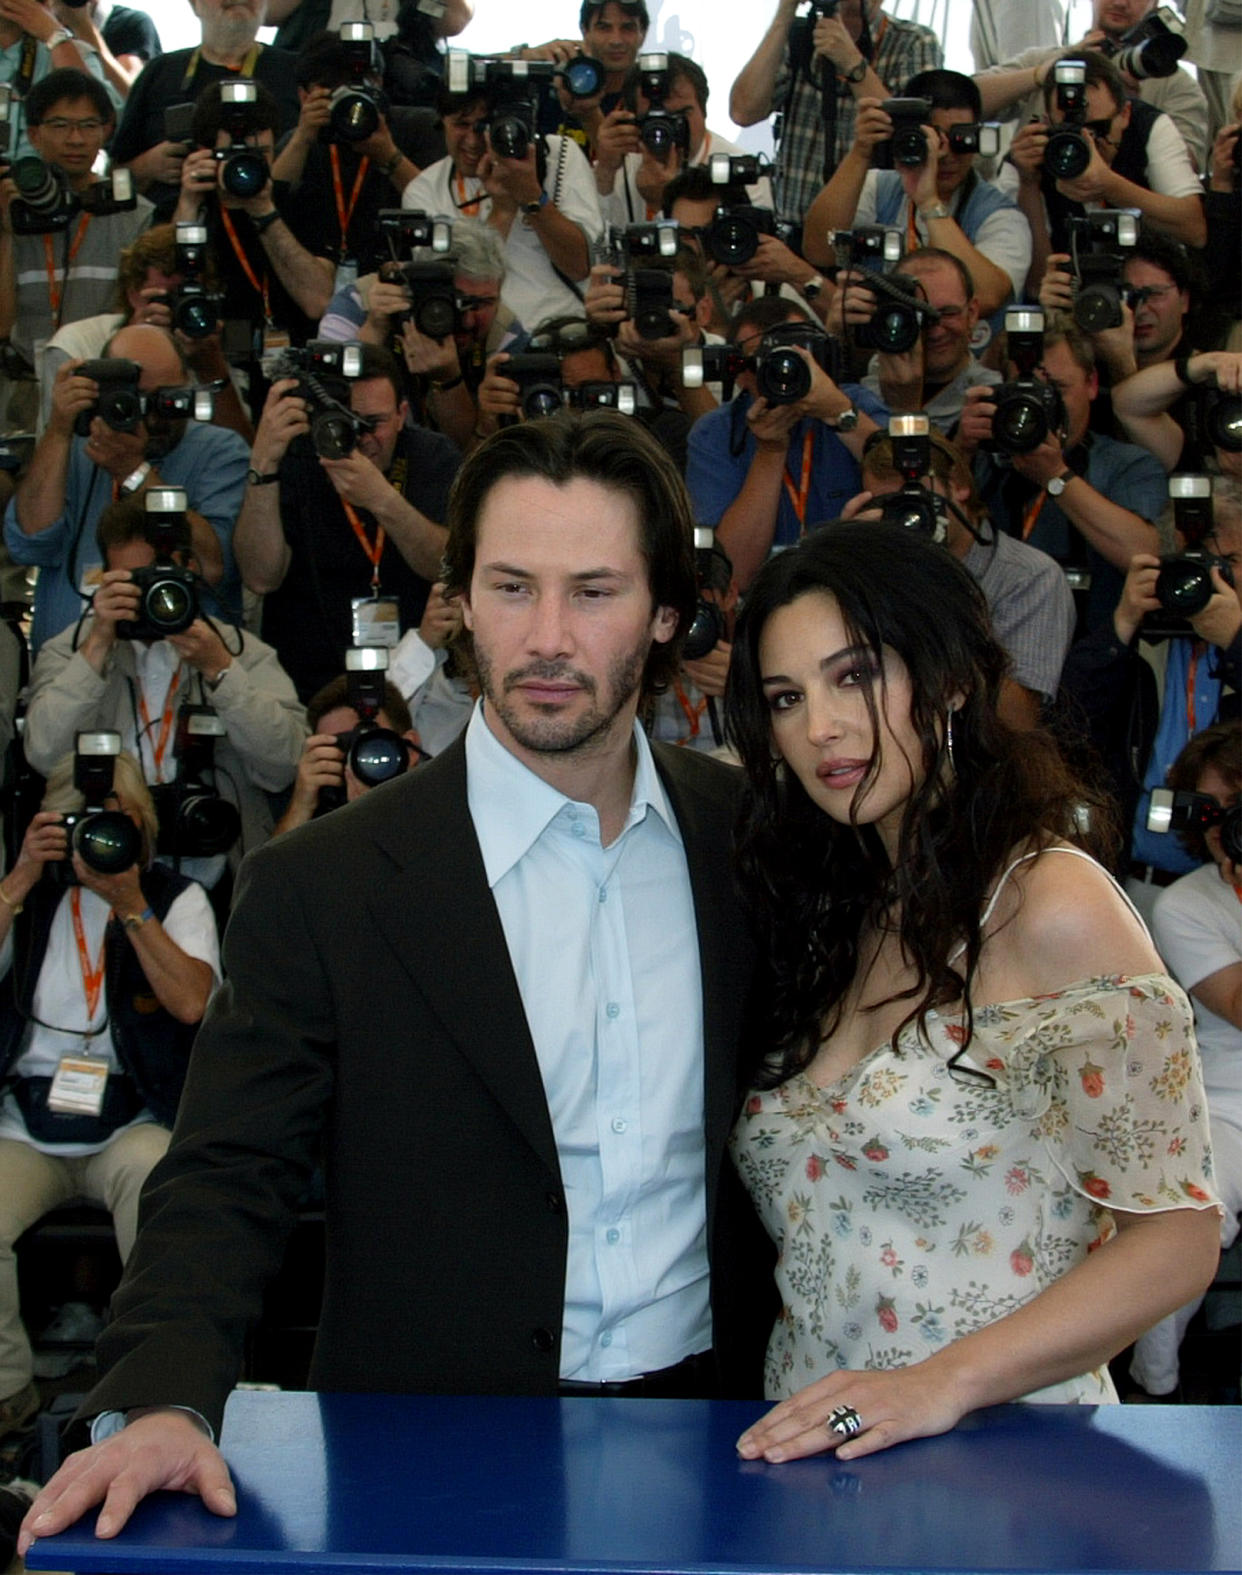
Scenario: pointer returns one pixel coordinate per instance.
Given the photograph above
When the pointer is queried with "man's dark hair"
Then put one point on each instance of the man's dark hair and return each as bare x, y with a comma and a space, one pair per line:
212, 115
1100, 70
449, 103
62, 84
764, 312
695, 185
337, 694
682, 69
591, 9
378, 362
323, 62
1216, 748
945, 90
938, 254
125, 521
615, 452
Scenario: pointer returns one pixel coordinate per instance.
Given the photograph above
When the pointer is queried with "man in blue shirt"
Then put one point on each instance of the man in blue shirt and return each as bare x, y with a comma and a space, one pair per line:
71, 479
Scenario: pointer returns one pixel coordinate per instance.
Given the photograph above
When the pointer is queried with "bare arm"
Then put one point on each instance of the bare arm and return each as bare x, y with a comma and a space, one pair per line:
750, 97
1221, 992
259, 544
746, 528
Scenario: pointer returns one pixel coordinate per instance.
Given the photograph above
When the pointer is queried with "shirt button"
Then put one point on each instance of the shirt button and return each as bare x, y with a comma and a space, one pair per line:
543, 1340
620, 1124
613, 1237
603, 894
605, 1339
578, 829
613, 1010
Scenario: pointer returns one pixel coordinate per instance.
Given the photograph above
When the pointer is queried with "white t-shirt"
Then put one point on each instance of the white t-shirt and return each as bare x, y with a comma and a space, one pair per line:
1197, 925
532, 290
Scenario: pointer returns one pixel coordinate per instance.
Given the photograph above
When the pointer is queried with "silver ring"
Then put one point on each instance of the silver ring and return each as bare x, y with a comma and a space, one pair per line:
844, 1420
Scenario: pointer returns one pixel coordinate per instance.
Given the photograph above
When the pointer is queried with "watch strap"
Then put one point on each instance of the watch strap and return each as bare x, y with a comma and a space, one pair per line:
265, 221
856, 74
542, 201
136, 478
258, 478
1181, 366
135, 921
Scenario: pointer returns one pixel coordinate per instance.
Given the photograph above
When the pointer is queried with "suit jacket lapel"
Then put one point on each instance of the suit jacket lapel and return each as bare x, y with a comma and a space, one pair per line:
437, 914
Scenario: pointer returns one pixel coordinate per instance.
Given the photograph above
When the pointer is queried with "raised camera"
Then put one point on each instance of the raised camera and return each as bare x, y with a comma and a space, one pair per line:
1152, 47
1170, 811
1098, 243
713, 573
661, 131
195, 822
733, 235
906, 148
373, 753
106, 840
980, 138
900, 314
621, 397
324, 369
118, 404
515, 92
649, 302
432, 293
914, 506
244, 171
357, 105
782, 376
45, 205
407, 230
1028, 409
1068, 150
167, 590
195, 309
538, 376
583, 76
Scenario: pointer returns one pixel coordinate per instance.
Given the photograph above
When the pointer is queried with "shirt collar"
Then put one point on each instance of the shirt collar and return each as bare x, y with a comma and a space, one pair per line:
512, 807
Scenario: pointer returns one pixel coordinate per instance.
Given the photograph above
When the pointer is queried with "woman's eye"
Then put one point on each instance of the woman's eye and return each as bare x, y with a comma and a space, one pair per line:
782, 699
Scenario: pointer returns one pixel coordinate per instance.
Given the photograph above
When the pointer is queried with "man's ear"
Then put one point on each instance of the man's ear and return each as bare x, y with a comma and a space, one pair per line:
663, 625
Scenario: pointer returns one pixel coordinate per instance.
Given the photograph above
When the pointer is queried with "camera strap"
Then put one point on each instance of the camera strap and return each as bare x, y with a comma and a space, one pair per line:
1033, 510
157, 744
798, 495
345, 214
693, 713
56, 296
92, 974
239, 251
246, 69
374, 550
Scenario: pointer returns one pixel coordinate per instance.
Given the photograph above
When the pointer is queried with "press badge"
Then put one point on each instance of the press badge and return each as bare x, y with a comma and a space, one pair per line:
376, 621
92, 579
276, 341
78, 1086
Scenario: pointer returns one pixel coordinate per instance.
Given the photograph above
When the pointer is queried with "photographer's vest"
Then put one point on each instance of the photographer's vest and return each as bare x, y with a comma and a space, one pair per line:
1130, 164
152, 1047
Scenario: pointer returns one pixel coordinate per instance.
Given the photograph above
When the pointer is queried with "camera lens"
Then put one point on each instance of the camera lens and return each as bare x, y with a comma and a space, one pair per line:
1184, 586
36, 184
121, 409
510, 137
544, 399
732, 241
783, 377
1020, 423
1098, 307
1231, 833
377, 755
909, 146
657, 138
436, 317
1067, 155
194, 317
333, 434
896, 329
706, 630
354, 115
108, 841
1224, 423
207, 825
244, 174
169, 605
584, 77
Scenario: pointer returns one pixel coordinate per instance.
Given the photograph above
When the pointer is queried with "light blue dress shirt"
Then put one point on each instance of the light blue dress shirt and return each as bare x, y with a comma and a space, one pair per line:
605, 949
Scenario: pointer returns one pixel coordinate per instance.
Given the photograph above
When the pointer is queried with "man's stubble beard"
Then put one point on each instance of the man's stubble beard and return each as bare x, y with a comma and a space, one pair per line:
584, 731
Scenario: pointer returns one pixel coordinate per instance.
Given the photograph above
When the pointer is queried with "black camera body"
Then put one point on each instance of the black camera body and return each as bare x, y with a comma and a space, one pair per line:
168, 591
702, 364
324, 369
914, 506
979, 138
106, 840
649, 302
1068, 151
538, 376
195, 309
900, 314
432, 290
621, 397
244, 172
877, 248
713, 573
45, 205
1170, 811
357, 104
907, 147
1152, 47
661, 131
1213, 418
407, 230
119, 404
782, 377
373, 753
515, 92
1098, 243
732, 237
1028, 409
195, 821
1184, 585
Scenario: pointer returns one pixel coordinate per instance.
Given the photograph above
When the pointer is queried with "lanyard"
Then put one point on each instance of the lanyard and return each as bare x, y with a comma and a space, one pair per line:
92, 978
160, 746
693, 712
246, 69
1196, 651
798, 495
1033, 512
374, 551
49, 256
464, 202
239, 251
345, 214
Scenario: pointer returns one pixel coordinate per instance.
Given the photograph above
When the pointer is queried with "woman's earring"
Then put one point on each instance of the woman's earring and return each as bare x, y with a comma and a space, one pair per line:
948, 741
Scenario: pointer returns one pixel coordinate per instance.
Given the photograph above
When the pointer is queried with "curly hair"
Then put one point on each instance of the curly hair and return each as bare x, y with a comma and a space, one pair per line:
815, 886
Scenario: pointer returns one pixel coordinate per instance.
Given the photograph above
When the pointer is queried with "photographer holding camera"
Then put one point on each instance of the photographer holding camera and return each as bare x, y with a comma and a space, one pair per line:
103, 674
59, 245
814, 71
85, 458
934, 193
342, 549
106, 974
543, 204
1187, 412
34, 43
763, 470
1082, 497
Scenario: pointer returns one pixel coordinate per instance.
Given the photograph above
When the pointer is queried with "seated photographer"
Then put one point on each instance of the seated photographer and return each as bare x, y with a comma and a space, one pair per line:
60, 229
1012, 90
104, 441
148, 289
1187, 412
935, 373
151, 138
272, 256
352, 165
34, 43
1181, 614
544, 204
342, 546
118, 670
1195, 926
761, 469
1031, 608
568, 362
630, 174
1082, 497
1132, 157
940, 201
653, 352
106, 973
326, 776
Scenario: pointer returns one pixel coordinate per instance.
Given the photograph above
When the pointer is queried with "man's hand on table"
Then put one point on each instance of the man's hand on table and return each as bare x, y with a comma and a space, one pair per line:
160, 1450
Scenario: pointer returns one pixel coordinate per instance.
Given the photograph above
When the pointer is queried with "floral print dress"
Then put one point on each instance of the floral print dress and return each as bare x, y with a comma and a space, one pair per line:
911, 1205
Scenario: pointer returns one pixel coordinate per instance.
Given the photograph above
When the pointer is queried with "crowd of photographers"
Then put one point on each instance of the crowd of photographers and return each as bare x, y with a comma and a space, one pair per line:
258, 300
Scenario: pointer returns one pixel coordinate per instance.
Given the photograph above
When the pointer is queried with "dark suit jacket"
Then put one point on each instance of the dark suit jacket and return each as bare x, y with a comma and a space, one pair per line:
370, 1009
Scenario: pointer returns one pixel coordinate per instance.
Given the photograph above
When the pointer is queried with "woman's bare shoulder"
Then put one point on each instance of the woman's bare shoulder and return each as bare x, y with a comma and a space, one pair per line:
1059, 919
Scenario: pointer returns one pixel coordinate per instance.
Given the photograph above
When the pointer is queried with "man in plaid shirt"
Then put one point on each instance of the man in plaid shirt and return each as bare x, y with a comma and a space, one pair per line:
858, 51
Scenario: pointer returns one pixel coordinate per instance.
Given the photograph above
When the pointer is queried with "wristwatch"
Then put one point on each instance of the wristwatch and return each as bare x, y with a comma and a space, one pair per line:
136, 479
1059, 483
935, 210
265, 221
255, 478
135, 921
54, 40
847, 420
855, 76
813, 287
533, 207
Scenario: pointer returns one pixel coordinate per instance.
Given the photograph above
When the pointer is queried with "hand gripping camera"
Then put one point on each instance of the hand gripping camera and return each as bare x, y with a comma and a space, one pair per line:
357, 104
732, 237
168, 591
900, 309
781, 374
1028, 410
244, 171
515, 92
907, 147
1152, 47
435, 307
373, 753
195, 822
1098, 243
324, 369
195, 310
106, 840
1068, 151
712, 572
661, 131
915, 507
1184, 585
122, 405
648, 289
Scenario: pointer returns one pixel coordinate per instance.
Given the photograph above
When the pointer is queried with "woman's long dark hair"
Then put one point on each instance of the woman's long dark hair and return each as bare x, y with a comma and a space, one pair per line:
814, 884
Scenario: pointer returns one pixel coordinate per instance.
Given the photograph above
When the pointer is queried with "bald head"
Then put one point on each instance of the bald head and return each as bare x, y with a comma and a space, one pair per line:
154, 350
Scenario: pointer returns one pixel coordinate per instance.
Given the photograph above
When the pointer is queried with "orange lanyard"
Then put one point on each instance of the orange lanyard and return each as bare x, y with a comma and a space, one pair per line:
798, 495
239, 251
160, 746
876, 41
49, 254
92, 978
1032, 514
1196, 651
464, 202
913, 241
344, 214
374, 551
693, 712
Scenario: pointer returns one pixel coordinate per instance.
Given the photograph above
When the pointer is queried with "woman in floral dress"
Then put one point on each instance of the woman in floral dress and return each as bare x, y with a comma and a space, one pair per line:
979, 1137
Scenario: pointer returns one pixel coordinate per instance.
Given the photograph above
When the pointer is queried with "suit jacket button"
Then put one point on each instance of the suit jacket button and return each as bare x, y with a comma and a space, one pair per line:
543, 1340
554, 1202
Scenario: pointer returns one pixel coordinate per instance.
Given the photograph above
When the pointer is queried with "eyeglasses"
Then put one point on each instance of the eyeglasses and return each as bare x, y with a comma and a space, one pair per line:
1101, 130
1159, 291
87, 126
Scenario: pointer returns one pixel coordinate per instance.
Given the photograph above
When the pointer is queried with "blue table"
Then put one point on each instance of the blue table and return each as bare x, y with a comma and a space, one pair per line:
582, 1486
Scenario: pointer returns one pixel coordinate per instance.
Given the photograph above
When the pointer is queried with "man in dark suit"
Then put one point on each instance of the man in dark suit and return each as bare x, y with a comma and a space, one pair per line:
500, 999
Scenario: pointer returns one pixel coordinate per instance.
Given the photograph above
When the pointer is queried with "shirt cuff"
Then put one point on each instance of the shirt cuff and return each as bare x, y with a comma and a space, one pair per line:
108, 1423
